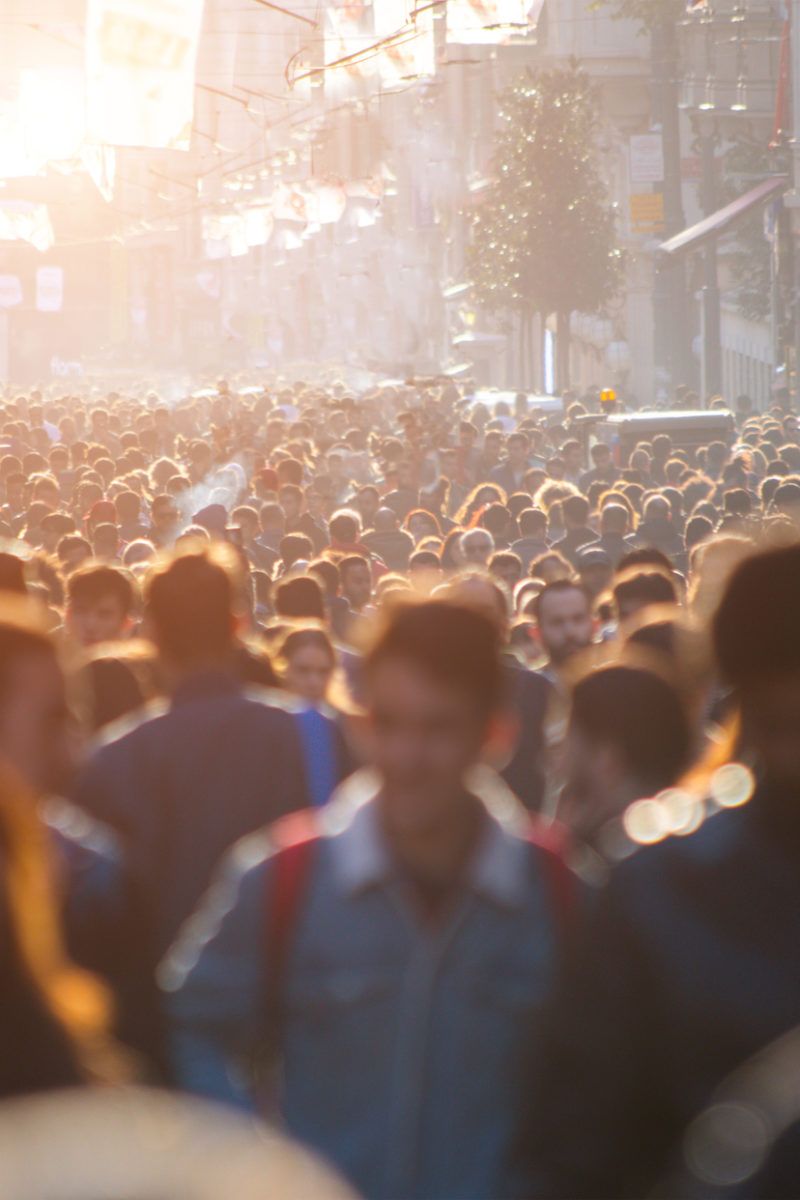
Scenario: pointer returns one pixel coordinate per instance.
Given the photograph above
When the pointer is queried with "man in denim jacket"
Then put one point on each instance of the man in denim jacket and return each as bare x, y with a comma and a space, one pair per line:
424, 945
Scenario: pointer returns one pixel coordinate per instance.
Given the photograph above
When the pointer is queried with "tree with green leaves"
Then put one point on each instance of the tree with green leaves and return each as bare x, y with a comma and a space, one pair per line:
543, 241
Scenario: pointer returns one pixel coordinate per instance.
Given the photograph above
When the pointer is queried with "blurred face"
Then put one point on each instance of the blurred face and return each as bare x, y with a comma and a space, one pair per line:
572, 457
517, 450
308, 673
492, 445
596, 789
423, 735
357, 586
165, 516
102, 621
509, 572
602, 458
419, 527
476, 550
291, 506
35, 733
367, 505
770, 720
565, 624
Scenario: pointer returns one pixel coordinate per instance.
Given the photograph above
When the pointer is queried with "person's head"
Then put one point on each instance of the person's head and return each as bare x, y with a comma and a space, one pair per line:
433, 682
614, 519
595, 570
99, 604
572, 456
73, 550
476, 547
533, 523
629, 737
601, 456
300, 597
637, 588
306, 660
128, 508
386, 520
786, 500
421, 524
294, 548
247, 519
367, 502
575, 510
105, 540
35, 728
164, 514
290, 500
518, 449
12, 574
356, 581
345, 527
190, 607
327, 574
564, 618
271, 518
507, 567
757, 646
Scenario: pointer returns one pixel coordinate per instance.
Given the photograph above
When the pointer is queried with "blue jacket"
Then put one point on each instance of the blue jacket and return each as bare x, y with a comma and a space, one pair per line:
402, 1043
185, 783
690, 965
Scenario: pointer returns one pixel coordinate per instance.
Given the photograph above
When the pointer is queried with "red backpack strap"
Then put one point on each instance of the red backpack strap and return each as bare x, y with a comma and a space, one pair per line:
560, 882
297, 838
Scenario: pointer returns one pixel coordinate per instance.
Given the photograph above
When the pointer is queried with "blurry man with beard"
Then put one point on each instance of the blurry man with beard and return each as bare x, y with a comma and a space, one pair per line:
564, 619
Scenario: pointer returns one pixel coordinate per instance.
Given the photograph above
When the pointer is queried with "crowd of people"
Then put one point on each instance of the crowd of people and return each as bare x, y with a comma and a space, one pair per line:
417, 772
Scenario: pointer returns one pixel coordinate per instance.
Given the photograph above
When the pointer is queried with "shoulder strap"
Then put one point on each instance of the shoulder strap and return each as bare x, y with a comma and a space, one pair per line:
559, 880
288, 884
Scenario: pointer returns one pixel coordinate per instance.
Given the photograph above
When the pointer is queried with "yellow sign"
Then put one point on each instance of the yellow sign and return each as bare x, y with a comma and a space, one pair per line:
647, 212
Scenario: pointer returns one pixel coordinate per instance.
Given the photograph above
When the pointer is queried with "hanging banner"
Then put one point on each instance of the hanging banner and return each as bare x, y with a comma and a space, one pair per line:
26, 221
52, 113
351, 58
49, 289
140, 68
409, 55
486, 22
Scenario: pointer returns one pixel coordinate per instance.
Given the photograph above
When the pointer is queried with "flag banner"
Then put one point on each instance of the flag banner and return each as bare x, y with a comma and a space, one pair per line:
258, 225
411, 54
52, 113
289, 203
26, 221
351, 66
486, 22
326, 201
140, 71
100, 162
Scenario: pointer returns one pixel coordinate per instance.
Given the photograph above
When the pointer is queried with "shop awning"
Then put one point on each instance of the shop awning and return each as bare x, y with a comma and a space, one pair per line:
718, 222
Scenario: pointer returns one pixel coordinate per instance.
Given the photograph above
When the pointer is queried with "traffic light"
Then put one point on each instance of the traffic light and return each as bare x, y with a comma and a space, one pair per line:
608, 400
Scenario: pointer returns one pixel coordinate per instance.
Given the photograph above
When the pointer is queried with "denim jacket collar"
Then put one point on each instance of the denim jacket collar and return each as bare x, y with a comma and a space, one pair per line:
361, 857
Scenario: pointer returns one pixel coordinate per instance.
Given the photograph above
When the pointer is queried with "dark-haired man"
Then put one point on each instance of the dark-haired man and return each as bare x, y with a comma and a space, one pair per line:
564, 621
578, 531
417, 952
100, 603
690, 961
219, 762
